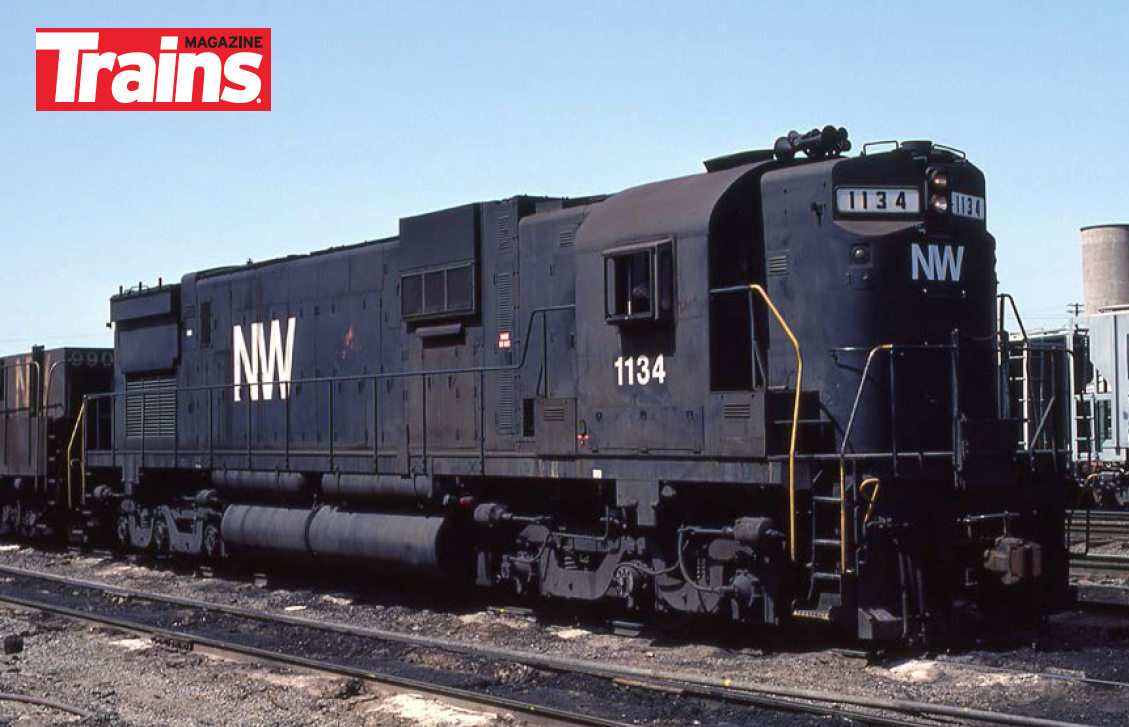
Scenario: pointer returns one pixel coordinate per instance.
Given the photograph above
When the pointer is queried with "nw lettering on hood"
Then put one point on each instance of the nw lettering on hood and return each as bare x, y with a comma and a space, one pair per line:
270, 358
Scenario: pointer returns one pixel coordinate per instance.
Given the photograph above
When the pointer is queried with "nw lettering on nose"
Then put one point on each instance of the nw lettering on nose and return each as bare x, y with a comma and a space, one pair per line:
269, 358
937, 262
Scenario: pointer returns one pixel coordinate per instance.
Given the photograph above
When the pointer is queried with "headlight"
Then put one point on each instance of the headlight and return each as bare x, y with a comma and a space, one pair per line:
938, 179
939, 203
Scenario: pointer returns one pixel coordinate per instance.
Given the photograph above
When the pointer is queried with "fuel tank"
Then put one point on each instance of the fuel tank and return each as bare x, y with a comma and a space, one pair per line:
425, 545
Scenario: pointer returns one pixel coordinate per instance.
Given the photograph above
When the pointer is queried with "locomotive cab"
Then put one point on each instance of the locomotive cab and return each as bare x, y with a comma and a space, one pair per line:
884, 264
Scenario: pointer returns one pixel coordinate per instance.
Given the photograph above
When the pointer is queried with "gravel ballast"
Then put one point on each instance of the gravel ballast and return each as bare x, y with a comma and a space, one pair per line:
1077, 644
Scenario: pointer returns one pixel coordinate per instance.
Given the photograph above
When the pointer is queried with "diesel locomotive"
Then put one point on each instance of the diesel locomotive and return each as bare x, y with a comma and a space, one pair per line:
775, 390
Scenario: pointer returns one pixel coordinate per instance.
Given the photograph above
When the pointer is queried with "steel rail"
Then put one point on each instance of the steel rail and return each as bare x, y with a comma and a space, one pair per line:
48, 703
1075, 678
729, 690
277, 657
1100, 562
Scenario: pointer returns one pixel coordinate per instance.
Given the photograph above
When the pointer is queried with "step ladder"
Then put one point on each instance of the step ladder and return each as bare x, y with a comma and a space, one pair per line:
1019, 390
1085, 445
825, 566
821, 552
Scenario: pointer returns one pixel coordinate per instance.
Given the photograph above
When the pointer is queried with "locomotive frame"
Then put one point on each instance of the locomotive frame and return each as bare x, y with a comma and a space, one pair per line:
604, 398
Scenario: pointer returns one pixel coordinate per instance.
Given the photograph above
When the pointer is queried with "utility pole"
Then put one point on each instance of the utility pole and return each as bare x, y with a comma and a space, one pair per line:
1074, 309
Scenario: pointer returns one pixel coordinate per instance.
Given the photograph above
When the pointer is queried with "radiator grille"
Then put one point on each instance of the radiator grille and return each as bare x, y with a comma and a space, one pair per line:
506, 402
150, 407
736, 410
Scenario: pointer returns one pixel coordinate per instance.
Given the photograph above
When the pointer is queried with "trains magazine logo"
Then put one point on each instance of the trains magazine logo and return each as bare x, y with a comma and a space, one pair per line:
153, 69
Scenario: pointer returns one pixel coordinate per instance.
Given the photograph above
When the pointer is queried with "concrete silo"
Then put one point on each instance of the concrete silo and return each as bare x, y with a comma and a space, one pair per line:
1105, 266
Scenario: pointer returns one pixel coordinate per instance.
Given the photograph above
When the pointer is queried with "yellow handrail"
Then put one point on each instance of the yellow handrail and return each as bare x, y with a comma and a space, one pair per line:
873, 497
1087, 488
795, 418
70, 449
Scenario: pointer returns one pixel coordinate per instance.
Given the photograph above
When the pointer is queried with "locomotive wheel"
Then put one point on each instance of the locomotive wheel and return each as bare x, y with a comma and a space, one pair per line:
212, 543
28, 523
121, 532
10, 519
161, 541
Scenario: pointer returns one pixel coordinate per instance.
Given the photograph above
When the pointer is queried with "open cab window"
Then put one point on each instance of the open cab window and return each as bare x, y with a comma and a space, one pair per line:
639, 282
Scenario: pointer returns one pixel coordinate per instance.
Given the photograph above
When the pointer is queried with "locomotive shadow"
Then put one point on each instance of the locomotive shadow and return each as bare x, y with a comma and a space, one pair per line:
437, 597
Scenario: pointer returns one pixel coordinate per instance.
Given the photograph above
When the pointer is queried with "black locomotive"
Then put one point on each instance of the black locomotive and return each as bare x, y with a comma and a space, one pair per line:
41, 395
770, 391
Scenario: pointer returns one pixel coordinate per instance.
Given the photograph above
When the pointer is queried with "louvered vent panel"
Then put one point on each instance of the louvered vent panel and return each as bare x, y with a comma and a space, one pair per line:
506, 402
778, 264
553, 413
503, 231
736, 410
505, 303
567, 236
150, 407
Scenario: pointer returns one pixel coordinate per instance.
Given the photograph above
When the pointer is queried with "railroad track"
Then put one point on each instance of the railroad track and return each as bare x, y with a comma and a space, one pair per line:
1092, 528
376, 657
1104, 524
1099, 562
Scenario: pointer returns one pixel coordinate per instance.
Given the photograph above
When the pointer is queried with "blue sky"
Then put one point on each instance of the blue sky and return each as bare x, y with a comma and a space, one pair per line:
384, 110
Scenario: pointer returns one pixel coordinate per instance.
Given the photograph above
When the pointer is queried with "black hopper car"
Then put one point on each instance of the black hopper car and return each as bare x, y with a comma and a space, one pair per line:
771, 391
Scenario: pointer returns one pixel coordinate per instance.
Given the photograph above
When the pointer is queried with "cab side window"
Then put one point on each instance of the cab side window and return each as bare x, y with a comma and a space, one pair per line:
639, 283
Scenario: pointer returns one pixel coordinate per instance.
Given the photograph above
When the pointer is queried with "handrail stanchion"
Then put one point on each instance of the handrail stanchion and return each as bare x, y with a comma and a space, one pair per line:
954, 394
44, 424
795, 417
843, 451
332, 467
211, 434
376, 426
144, 424
70, 454
893, 416
482, 422
81, 461
250, 461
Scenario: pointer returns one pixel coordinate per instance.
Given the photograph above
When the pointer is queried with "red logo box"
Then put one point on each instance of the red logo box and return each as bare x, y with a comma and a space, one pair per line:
152, 69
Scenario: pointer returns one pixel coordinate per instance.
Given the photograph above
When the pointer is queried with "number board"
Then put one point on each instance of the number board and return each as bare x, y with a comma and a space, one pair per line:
968, 205
877, 200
